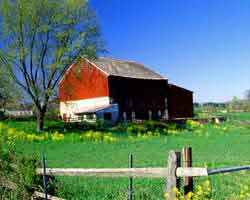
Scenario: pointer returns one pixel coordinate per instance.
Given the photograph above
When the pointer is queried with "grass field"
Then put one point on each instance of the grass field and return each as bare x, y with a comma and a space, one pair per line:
214, 146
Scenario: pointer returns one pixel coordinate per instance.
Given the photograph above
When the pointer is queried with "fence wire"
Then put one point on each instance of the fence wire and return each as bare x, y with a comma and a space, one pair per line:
91, 188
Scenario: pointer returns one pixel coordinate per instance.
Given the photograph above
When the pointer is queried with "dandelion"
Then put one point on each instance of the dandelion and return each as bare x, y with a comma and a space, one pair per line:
172, 132
98, 136
244, 193
193, 124
189, 195
200, 190
109, 138
201, 193
34, 138
57, 136
207, 183
166, 195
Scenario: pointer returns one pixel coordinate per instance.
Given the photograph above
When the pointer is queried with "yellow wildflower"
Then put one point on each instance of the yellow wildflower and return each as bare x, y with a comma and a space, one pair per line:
34, 138
166, 195
57, 136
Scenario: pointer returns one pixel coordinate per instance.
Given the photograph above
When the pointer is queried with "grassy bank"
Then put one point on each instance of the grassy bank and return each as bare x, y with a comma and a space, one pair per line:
214, 146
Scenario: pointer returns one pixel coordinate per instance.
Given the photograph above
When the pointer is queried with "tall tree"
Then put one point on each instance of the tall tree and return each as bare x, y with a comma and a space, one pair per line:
247, 95
247, 102
9, 93
40, 40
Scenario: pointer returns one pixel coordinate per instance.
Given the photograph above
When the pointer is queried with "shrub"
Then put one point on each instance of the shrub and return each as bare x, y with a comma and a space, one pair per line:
2, 115
18, 170
136, 128
153, 125
21, 118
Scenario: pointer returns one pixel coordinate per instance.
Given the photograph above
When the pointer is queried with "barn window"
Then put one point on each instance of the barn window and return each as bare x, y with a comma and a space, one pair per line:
107, 116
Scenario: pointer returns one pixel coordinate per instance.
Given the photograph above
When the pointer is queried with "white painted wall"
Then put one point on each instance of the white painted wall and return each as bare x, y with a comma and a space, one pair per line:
72, 107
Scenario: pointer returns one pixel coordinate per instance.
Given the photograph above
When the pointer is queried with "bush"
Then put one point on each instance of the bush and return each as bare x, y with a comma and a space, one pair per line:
136, 128
99, 125
154, 125
147, 128
51, 116
21, 118
18, 171
1, 114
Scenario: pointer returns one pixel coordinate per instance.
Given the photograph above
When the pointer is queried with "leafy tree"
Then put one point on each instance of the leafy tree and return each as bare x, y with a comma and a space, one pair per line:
9, 94
234, 104
40, 40
247, 100
247, 95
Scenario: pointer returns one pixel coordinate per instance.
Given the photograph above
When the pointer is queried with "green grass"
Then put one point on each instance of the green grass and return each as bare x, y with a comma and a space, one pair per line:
212, 147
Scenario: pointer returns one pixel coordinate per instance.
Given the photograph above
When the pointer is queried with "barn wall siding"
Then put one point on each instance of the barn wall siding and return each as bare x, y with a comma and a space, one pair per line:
139, 95
83, 81
180, 102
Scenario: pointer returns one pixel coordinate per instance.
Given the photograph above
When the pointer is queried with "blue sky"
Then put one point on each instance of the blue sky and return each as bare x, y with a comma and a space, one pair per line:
203, 45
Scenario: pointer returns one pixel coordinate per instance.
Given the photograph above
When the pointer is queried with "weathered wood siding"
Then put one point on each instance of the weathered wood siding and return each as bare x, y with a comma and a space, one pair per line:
138, 95
83, 81
180, 102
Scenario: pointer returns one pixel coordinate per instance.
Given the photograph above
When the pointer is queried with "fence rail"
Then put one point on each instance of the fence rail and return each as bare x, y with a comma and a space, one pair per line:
149, 172
172, 173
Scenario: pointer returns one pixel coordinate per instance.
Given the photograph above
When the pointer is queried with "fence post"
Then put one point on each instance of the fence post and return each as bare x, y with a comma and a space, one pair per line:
174, 161
44, 177
187, 162
130, 193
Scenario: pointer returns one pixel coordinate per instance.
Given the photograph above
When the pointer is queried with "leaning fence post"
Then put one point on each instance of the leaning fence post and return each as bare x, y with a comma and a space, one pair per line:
130, 193
187, 162
44, 177
174, 161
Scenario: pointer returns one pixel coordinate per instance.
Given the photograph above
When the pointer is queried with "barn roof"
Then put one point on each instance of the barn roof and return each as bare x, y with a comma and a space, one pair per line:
123, 68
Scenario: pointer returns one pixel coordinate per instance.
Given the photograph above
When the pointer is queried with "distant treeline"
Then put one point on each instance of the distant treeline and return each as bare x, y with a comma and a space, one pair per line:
235, 105
214, 104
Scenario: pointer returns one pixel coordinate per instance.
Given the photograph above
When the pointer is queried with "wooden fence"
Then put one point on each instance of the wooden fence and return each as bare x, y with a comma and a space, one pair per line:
174, 170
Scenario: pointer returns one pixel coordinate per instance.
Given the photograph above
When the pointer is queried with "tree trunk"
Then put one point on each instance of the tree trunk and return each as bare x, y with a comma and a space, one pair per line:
40, 119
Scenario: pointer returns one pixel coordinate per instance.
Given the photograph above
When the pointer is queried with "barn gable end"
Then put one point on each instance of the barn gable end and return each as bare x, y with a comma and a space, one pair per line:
83, 81
83, 86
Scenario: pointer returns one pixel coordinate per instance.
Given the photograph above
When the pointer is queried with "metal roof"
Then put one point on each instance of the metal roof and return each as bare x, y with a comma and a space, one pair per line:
123, 68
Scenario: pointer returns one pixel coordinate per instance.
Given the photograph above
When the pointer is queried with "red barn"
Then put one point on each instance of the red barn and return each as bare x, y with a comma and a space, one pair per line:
115, 89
